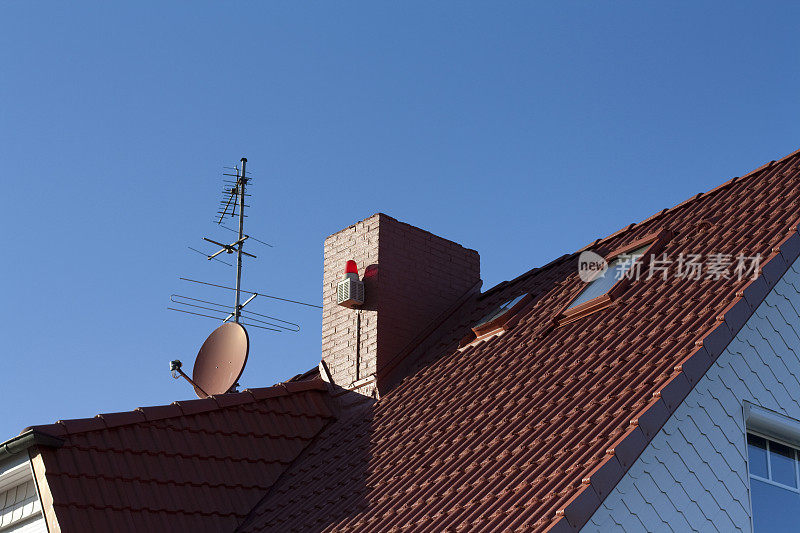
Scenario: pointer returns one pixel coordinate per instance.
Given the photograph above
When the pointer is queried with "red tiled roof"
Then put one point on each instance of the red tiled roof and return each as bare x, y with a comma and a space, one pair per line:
531, 429
196, 465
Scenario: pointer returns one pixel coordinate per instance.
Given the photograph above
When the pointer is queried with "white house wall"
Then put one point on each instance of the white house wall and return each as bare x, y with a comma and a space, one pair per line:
20, 509
693, 475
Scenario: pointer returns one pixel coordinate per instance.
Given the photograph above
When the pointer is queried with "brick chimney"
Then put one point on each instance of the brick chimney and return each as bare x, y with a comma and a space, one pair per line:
411, 278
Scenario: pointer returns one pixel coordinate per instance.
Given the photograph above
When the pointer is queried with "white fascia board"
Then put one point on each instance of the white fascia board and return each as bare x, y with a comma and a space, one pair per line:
772, 424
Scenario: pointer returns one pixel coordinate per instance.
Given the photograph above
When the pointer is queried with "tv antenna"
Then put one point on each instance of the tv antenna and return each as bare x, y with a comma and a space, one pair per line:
221, 360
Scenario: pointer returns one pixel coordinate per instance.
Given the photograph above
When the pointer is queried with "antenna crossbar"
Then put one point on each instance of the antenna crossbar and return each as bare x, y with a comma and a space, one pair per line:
220, 318
248, 236
179, 299
252, 292
206, 256
228, 248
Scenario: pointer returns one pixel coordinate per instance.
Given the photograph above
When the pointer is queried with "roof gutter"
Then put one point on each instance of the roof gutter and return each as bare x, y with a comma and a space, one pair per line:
25, 440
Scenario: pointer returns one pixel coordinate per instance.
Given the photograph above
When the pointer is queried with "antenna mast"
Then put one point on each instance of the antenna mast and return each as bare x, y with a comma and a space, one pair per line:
233, 199
241, 181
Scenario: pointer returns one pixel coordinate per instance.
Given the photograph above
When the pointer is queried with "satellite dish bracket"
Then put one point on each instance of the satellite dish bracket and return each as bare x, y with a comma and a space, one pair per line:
175, 366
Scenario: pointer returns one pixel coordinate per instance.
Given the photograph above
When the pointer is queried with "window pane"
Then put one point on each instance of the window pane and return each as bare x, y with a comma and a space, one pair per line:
599, 286
775, 510
757, 455
781, 459
500, 310
616, 269
627, 260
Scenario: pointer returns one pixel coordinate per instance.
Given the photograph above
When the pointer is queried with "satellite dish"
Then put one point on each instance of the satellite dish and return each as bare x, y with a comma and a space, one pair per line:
221, 360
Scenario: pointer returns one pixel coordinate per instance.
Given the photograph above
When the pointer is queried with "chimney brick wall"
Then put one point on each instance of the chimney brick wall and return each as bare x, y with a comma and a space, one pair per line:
410, 278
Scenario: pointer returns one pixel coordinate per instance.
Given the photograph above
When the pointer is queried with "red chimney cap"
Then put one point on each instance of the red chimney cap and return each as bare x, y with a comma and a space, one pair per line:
351, 267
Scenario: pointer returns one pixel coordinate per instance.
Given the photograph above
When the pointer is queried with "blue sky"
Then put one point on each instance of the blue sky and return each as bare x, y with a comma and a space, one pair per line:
522, 130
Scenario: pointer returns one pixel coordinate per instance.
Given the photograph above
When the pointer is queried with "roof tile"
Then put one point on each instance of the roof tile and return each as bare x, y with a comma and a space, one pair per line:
736, 314
580, 507
262, 393
755, 291
56, 430
191, 407
694, 365
82, 424
299, 386
605, 475
628, 447
229, 400
774, 268
193, 465
122, 418
674, 391
652, 417
160, 411
560, 525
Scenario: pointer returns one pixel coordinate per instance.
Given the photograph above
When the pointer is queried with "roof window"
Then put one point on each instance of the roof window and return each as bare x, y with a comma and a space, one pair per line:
617, 270
498, 313
496, 322
623, 264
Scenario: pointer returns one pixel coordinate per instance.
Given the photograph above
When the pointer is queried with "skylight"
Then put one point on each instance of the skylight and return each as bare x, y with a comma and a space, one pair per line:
616, 271
499, 311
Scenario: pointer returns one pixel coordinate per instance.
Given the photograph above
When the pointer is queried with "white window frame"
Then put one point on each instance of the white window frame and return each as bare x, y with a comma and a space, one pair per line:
776, 427
769, 464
